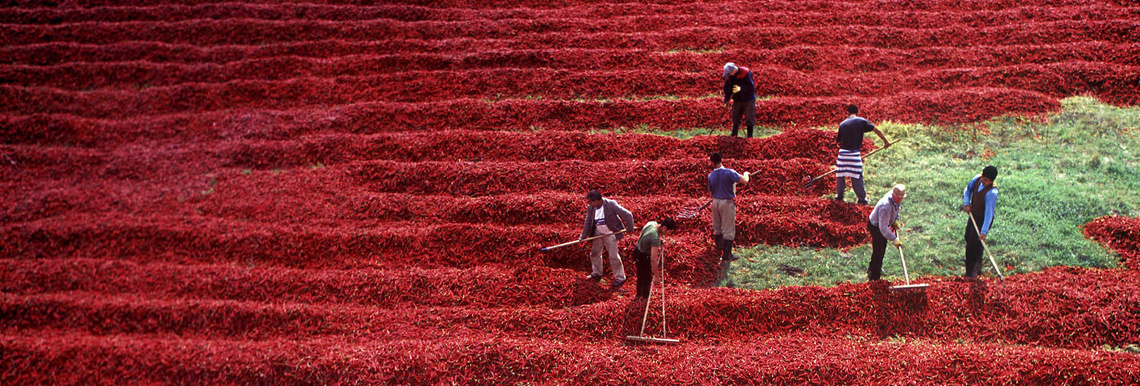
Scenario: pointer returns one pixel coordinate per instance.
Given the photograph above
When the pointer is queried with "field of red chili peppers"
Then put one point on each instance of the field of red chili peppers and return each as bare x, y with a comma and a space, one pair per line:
285, 191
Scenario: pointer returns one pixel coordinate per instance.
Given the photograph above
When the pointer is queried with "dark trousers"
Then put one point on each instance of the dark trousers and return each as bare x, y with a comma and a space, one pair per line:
644, 273
878, 250
745, 110
856, 184
974, 250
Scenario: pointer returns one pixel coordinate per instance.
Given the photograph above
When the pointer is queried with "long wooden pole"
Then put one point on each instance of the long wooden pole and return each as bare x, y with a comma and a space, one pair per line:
579, 241
985, 247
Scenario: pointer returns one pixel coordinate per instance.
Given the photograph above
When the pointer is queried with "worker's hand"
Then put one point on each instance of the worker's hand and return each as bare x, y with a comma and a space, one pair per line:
888, 144
966, 208
898, 243
735, 89
982, 237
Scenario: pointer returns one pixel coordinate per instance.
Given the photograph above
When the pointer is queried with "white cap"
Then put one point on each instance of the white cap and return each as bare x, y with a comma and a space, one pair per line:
899, 191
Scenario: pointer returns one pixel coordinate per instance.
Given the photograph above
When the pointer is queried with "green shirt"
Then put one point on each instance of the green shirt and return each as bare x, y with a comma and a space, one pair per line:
649, 238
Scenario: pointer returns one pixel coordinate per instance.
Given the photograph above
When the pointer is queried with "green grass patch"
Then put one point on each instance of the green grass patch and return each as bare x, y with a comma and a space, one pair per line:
1057, 173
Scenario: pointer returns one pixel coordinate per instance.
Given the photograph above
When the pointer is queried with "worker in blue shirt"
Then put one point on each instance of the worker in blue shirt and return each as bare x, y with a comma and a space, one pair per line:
979, 200
722, 186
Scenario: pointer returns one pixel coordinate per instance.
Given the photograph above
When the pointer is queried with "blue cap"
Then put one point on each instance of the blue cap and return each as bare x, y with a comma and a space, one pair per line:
729, 68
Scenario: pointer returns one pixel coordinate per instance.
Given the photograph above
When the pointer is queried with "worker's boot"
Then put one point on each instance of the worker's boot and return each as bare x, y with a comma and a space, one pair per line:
971, 271
719, 240
734, 130
750, 131
728, 256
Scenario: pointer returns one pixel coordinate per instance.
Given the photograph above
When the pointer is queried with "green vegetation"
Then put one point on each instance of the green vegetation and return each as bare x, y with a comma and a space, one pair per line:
1056, 173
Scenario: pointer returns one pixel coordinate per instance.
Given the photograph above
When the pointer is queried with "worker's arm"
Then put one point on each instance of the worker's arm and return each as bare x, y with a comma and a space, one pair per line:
886, 143
655, 263
626, 217
884, 221
991, 205
967, 196
586, 224
744, 178
727, 90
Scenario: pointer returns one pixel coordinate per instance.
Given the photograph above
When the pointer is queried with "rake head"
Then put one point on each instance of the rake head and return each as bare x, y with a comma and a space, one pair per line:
650, 339
807, 182
909, 287
689, 213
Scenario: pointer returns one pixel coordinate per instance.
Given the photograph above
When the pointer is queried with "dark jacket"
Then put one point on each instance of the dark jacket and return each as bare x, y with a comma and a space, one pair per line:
743, 78
617, 218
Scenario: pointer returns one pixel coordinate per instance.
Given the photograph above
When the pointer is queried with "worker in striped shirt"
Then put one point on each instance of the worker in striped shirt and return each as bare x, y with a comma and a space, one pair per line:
849, 164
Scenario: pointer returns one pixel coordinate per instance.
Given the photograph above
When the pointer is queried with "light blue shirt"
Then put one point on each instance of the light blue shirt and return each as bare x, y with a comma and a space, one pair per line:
721, 181
886, 212
991, 201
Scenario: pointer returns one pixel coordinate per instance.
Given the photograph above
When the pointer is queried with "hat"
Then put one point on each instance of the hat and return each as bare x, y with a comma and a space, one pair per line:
729, 68
989, 172
899, 191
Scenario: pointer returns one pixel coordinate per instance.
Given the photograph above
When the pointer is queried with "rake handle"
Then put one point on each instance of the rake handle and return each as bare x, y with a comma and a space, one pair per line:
709, 202
579, 241
903, 258
813, 180
986, 248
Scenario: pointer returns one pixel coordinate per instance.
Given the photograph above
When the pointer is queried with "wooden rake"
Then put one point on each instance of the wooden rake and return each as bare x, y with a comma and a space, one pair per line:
641, 337
694, 212
808, 181
906, 275
1001, 278
545, 249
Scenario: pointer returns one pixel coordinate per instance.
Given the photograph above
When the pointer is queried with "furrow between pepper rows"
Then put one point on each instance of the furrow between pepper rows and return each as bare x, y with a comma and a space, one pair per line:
797, 13
334, 55
294, 206
582, 33
194, 240
513, 4
335, 109
447, 145
1042, 309
487, 286
1057, 80
73, 357
513, 115
676, 177
941, 5
541, 146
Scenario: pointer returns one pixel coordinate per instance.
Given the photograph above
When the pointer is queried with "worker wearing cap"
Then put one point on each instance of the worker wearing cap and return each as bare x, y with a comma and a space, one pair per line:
738, 87
605, 217
979, 200
722, 186
849, 163
883, 225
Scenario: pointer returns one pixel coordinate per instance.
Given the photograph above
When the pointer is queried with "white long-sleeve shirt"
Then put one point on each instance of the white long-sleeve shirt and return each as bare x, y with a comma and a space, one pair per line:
886, 213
